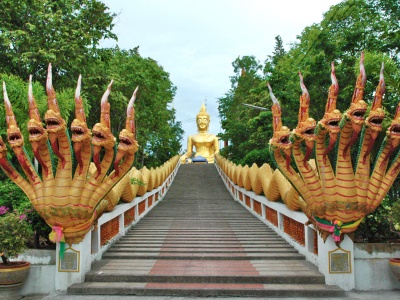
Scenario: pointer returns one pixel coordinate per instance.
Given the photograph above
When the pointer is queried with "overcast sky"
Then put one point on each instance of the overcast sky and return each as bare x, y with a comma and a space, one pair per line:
196, 41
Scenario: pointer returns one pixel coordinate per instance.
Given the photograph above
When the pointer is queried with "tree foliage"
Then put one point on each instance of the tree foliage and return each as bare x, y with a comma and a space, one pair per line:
64, 32
67, 33
347, 29
157, 132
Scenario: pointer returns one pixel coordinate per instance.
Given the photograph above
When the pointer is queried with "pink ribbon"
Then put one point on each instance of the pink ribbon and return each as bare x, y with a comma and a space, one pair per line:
58, 234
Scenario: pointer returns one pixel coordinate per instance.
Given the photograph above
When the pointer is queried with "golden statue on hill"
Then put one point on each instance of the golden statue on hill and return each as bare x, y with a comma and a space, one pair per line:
206, 144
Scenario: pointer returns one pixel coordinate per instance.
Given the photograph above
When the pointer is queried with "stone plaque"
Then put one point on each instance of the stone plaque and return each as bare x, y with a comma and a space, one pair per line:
70, 261
339, 261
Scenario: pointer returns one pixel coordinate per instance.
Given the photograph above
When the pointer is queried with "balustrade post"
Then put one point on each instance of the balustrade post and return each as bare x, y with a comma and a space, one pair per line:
95, 239
121, 224
281, 224
309, 238
337, 263
75, 263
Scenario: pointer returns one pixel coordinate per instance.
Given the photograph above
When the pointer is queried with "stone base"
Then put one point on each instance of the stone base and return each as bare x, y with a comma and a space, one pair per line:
10, 291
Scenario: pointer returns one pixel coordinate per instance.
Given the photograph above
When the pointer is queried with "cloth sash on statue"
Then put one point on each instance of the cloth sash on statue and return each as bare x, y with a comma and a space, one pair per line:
335, 227
57, 233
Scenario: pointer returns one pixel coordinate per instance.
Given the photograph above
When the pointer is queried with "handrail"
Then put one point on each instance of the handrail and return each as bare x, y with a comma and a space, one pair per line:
291, 225
111, 226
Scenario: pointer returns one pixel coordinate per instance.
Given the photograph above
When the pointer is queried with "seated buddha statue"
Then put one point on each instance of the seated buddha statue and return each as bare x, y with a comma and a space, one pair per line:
206, 144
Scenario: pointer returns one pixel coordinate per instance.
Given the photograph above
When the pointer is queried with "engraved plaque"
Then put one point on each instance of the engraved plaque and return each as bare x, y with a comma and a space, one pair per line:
339, 261
70, 261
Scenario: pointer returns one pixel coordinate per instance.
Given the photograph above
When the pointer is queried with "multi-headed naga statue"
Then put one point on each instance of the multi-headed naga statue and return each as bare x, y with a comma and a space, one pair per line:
68, 198
336, 195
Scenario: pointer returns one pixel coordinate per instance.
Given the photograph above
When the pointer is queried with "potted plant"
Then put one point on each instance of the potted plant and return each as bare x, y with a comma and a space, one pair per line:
14, 235
394, 218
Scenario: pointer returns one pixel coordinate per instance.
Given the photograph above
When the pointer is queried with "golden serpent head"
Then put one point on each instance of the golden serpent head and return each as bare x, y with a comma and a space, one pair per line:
36, 131
102, 136
127, 142
80, 131
54, 122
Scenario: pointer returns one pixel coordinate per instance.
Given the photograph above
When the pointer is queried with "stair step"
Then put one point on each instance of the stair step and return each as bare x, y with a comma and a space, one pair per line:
201, 243
198, 242
202, 250
205, 289
202, 256
282, 278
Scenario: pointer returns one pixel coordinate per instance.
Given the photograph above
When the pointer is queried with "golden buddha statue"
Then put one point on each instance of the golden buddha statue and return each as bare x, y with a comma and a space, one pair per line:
206, 144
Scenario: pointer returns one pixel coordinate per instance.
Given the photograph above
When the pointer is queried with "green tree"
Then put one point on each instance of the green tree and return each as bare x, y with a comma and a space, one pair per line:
235, 117
64, 32
348, 28
158, 133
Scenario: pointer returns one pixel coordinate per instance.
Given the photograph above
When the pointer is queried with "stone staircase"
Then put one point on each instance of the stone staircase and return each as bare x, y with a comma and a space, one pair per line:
198, 242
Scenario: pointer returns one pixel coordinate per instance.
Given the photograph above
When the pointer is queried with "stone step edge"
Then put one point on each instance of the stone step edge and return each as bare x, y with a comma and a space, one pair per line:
201, 245
234, 239
272, 290
199, 257
124, 249
213, 243
93, 276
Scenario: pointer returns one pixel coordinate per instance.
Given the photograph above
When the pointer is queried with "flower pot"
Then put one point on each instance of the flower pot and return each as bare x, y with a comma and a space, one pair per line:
12, 276
394, 264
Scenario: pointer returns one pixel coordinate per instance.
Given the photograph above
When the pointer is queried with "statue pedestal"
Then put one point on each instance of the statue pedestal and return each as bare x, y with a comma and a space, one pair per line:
75, 263
199, 160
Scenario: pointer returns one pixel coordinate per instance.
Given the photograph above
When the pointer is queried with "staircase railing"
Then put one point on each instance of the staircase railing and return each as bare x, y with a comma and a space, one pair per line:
336, 263
114, 224
291, 225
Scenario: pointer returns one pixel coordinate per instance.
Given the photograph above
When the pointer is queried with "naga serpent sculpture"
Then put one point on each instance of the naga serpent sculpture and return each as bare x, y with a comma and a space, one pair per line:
333, 194
68, 200
337, 198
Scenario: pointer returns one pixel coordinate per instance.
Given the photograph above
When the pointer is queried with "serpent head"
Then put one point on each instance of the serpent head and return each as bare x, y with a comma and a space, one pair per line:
80, 132
305, 129
281, 136
37, 133
14, 136
393, 132
331, 120
127, 140
102, 135
358, 107
55, 124
376, 115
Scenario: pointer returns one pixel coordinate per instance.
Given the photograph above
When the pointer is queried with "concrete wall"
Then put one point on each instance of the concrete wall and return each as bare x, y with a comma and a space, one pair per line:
371, 266
41, 277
